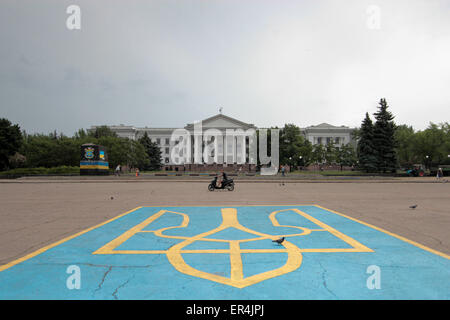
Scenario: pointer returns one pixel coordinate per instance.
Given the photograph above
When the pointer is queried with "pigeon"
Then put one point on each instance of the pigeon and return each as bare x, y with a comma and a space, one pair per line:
279, 241
112, 198
413, 207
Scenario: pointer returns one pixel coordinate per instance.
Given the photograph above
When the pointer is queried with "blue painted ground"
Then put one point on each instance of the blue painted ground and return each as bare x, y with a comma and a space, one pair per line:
407, 272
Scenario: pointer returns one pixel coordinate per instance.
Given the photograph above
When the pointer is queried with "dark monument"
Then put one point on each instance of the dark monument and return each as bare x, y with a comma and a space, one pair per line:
94, 160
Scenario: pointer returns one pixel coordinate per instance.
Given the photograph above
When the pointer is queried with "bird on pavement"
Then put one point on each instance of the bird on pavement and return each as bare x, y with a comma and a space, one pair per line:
279, 241
413, 207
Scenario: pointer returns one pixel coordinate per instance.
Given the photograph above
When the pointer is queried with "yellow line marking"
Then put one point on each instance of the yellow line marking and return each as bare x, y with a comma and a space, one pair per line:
227, 251
421, 246
236, 205
39, 251
127, 235
355, 244
109, 248
236, 261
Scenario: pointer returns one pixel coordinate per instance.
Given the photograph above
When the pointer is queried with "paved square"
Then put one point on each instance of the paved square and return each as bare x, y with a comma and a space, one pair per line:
200, 252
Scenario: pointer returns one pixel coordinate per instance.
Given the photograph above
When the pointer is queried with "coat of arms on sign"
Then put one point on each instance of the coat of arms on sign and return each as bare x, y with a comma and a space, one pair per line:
89, 153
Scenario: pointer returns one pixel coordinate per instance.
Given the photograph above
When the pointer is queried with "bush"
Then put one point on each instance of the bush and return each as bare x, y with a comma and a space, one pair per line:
41, 171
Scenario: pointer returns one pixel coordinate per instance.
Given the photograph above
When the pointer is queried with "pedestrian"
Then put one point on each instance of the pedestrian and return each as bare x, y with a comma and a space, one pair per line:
137, 172
117, 172
439, 174
283, 170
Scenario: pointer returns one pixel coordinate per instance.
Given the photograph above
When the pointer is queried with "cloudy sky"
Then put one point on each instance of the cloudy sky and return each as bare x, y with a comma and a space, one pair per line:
166, 63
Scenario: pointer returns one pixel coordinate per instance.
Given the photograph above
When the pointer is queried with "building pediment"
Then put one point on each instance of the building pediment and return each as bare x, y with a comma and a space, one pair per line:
326, 126
221, 121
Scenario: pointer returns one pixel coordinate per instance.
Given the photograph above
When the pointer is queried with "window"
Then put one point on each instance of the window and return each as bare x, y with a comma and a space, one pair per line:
319, 140
158, 140
167, 141
167, 150
337, 140
328, 140
167, 160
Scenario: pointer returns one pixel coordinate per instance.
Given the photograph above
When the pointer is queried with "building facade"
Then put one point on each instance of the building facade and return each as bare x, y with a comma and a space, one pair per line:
232, 151
325, 133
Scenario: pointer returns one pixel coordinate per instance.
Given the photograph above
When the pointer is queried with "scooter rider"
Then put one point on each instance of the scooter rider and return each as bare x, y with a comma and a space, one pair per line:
222, 178
221, 181
225, 177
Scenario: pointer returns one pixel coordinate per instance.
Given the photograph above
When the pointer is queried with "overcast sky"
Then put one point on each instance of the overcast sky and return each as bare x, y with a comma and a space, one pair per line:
168, 63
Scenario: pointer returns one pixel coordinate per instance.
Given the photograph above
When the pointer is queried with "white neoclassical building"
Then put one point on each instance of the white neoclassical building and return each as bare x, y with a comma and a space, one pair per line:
233, 152
325, 133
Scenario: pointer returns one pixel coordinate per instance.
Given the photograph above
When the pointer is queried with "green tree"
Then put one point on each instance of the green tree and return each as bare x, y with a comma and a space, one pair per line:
117, 149
10, 141
355, 134
50, 151
318, 153
58, 150
366, 153
384, 139
330, 152
153, 151
102, 131
346, 156
404, 136
80, 134
38, 150
445, 146
295, 150
137, 155
433, 142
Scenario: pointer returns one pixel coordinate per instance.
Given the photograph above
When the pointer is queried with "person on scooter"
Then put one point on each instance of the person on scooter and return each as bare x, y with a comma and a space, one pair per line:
222, 177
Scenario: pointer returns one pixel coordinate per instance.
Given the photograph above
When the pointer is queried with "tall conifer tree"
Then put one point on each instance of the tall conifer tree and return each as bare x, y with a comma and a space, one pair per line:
153, 152
384, 139
367, 160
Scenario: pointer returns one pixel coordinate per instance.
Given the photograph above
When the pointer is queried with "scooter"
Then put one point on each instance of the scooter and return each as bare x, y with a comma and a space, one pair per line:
226, 184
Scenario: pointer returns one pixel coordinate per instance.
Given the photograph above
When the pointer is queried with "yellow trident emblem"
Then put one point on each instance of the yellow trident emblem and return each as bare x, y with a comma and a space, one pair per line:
230, 220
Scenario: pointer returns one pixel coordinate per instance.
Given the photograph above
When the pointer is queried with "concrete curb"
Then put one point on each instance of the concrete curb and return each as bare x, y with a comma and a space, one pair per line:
16, 181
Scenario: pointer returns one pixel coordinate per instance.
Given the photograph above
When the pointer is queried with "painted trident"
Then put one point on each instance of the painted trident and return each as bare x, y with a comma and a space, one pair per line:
230, 220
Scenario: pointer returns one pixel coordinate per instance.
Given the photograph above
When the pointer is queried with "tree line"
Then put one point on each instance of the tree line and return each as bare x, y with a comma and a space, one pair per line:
381, 146
384, 146
296, 151
22, 150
